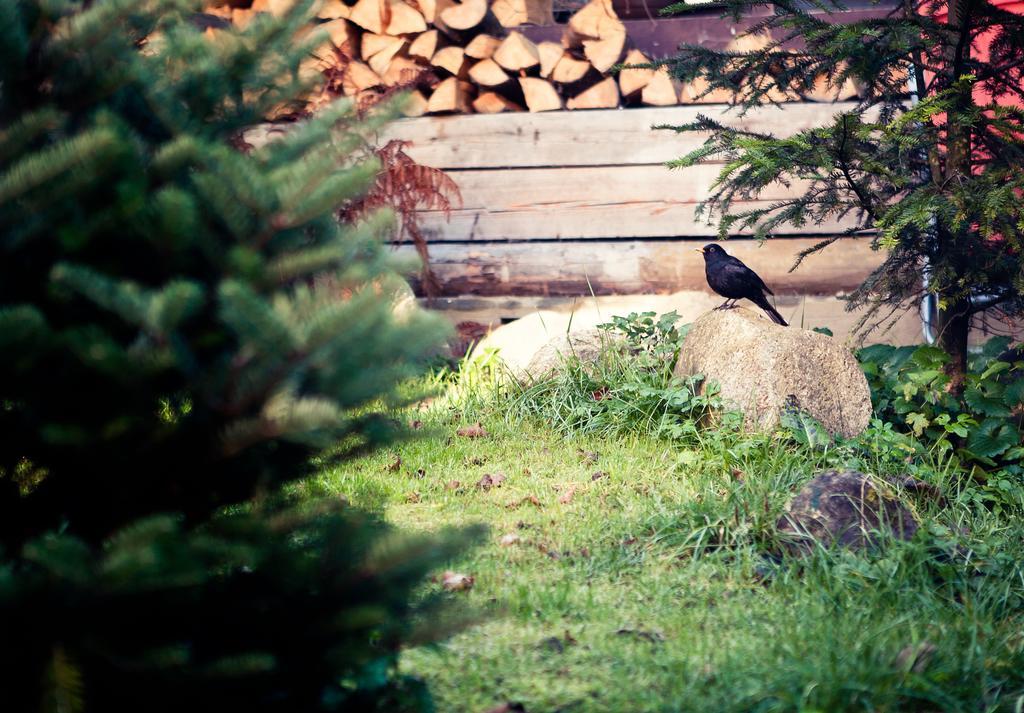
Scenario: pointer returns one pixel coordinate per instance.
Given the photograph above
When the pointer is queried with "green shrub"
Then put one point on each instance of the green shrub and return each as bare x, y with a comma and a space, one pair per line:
182, 326
984, 428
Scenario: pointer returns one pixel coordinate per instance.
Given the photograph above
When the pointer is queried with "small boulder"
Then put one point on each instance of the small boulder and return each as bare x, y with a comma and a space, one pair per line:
763, 369
843, 508
517, 341
586, 345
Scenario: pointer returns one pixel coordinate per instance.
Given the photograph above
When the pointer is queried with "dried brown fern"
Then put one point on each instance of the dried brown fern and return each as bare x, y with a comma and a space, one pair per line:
402, 184
407, 187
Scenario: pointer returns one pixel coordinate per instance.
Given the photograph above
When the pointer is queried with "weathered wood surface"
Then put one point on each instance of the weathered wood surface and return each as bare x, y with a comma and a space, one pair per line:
554, 188
560, 220
587, 203
568, 268
600, 137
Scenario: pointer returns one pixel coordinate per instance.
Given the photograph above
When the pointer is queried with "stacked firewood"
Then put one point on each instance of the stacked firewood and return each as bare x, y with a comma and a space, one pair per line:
471, 56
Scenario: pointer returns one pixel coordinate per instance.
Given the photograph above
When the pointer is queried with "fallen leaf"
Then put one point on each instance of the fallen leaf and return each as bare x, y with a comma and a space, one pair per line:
491, 481
452, 485
455, 582
420, 473
476, 460
598, 475
738, 475
474, 431
588, 457
394, 465
412, 497
509, 539
566, 497
584, 552
527, 471
416, 424
599, 394
528, 500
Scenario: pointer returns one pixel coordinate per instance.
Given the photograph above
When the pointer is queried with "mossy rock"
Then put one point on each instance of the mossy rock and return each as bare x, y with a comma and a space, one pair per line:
844, 509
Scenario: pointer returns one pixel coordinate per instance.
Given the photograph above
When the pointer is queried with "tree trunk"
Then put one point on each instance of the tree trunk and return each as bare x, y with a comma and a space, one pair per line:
954, 324
955, 321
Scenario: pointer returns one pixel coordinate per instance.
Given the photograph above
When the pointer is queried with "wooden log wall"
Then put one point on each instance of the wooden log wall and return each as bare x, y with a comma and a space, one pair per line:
562, 204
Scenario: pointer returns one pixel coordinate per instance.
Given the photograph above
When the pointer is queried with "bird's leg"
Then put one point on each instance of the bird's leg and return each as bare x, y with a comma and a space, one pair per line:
724, 305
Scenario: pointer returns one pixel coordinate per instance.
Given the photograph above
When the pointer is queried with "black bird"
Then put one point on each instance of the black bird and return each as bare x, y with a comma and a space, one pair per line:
732, 279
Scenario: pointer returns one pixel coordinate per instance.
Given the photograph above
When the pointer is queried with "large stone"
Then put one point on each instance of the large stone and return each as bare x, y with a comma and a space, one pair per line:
586, 345
844, 509
763, 368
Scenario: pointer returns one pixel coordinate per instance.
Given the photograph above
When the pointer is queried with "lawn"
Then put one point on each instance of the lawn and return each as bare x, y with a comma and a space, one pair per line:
630, 570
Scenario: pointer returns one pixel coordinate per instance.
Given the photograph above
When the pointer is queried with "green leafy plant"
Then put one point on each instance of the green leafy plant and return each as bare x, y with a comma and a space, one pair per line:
654, 336
630, 388
183, 326
985, 427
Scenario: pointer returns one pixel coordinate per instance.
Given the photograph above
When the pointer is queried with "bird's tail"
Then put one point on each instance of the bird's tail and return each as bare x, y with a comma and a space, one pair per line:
764, 304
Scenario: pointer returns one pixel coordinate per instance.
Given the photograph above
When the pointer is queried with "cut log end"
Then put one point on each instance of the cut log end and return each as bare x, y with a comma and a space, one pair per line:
513, 13
494, 103
550, 53
662, 90
633, 80
569, 69
488, 73
482, 46
603, 95
451, 95
424, 46
371, 15
540, 94
452, 59
464, 15
405, 19
517, 52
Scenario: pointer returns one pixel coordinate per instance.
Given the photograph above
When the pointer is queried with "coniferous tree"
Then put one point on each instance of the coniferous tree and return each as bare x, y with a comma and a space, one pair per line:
934, 177
183, 326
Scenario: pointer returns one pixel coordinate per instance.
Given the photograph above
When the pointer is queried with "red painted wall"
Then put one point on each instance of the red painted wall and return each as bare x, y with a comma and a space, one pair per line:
980, 49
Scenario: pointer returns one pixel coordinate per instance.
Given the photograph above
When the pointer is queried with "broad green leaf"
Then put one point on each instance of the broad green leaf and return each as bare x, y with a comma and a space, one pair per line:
918, 422
993, 437
986, 398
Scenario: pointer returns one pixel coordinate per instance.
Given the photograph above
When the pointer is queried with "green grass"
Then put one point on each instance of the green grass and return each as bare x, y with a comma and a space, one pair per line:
657, 586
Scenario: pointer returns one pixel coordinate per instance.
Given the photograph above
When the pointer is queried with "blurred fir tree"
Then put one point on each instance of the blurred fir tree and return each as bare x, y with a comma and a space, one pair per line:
936, 181
183, 325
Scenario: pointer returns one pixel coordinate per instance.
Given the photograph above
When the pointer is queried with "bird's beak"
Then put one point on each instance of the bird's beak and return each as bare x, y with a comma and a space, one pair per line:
698, 250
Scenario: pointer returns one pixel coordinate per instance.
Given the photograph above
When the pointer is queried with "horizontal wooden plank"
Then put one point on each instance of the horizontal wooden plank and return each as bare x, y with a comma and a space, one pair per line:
573, 268
561, 188
583, 220
584, 138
